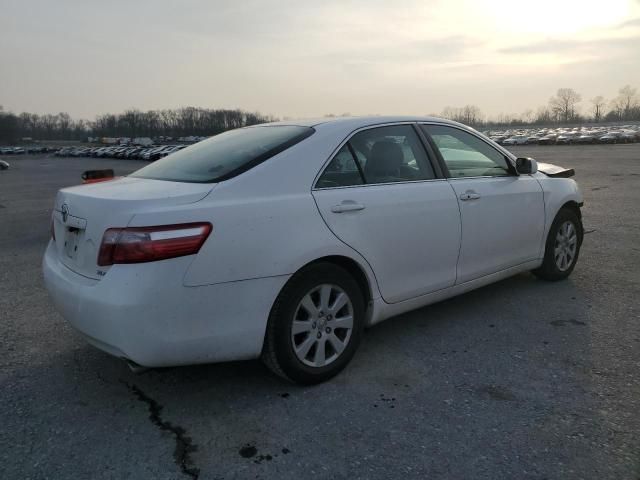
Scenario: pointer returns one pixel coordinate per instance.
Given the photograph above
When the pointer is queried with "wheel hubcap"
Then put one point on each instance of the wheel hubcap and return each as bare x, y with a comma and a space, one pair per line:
565, 246
322, 325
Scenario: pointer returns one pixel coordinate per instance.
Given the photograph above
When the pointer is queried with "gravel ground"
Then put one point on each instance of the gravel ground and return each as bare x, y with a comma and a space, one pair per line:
521, 379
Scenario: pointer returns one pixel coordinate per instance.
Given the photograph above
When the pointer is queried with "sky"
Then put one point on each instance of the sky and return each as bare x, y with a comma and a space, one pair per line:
297, 58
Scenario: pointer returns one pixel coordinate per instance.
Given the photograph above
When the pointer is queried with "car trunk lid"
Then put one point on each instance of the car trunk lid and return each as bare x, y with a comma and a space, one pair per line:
83, 213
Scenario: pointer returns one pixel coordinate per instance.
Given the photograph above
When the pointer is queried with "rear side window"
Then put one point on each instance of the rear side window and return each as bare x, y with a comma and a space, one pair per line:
225, 155
341, 172
378, 155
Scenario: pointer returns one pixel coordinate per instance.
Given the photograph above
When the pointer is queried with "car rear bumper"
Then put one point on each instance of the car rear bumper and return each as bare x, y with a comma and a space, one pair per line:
145, 314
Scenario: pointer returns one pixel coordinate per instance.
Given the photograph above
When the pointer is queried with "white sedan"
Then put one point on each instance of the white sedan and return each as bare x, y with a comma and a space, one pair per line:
284, 241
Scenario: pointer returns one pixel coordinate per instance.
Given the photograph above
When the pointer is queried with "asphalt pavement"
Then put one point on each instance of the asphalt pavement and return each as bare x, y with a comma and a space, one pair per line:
522, 379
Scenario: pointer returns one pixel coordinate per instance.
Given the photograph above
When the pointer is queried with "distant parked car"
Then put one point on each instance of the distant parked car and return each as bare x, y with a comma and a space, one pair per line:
516, 140
137, 153
608, 138
628, 137
171, 150
150, 152
566, 138
499, 139
549, 139
585, 138
160, 152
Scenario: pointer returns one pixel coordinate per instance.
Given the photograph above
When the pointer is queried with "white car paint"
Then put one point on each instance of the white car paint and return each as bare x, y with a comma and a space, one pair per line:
393, 236
502, 227
415, 243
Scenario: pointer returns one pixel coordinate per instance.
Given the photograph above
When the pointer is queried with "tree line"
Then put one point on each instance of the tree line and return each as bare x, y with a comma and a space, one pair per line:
562, 108
179, 122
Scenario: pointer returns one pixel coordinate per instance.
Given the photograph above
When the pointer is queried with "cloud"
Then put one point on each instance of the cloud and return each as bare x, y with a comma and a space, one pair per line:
452, 47
634, 22
552, 45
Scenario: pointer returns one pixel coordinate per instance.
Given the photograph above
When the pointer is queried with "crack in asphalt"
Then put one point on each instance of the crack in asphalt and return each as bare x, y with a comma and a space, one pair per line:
184, 445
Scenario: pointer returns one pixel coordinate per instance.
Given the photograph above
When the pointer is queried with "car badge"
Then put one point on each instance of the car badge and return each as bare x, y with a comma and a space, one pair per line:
65, 212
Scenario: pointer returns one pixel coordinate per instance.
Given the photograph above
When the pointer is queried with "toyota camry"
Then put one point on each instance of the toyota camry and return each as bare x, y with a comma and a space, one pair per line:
284, 241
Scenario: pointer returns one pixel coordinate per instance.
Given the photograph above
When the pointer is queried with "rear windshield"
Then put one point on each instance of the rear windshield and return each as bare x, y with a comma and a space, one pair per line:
225, 155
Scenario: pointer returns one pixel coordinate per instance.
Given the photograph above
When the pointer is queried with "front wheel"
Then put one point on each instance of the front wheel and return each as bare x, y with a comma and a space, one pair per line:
562, 247
315, 325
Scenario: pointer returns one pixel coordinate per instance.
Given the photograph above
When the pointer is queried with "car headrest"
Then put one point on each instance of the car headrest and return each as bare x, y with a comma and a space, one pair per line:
385, 159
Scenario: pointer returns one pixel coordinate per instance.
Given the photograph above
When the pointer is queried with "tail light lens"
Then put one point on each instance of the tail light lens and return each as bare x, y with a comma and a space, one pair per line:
53, 230
148, 244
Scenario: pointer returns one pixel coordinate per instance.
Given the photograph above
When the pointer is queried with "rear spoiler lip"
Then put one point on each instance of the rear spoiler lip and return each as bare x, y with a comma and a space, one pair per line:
554, 171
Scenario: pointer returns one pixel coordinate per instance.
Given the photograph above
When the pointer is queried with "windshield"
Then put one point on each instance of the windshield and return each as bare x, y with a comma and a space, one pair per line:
225, 155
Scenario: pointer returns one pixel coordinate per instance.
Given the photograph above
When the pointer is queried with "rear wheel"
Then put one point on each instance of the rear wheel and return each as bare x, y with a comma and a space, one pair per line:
315, 325
562, 247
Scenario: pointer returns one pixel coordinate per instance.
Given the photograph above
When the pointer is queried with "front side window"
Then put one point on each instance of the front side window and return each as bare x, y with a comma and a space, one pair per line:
465, 154
225, 155
378, 155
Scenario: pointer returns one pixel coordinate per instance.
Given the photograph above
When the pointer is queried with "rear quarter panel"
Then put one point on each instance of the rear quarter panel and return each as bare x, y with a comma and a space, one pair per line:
265, 221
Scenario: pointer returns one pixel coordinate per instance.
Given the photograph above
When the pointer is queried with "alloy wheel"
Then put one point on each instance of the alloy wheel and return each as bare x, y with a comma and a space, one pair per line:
565, 246
322, 325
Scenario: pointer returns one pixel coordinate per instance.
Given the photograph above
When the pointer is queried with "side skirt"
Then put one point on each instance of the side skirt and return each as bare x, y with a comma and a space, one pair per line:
382, 310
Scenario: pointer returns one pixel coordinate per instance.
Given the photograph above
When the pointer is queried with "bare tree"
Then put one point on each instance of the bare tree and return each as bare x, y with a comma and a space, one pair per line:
627, 100
598, 107
616, 109
64, 123
131, 123
543, 115
469, 114
564, 104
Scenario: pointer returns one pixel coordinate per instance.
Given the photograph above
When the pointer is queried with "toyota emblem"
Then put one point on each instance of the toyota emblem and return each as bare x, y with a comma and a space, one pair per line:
65, 212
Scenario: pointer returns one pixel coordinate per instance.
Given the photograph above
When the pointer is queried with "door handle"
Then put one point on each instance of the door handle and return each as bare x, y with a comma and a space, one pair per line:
347, 206
469, 195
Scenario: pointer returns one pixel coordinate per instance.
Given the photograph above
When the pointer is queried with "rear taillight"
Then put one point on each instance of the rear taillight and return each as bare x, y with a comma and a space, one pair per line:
53, 230
148, 244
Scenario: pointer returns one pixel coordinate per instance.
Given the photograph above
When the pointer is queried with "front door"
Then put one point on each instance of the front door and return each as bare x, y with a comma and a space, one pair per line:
502, 212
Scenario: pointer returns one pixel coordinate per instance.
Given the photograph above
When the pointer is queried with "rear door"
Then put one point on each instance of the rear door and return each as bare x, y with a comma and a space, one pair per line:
502, 212
381, 196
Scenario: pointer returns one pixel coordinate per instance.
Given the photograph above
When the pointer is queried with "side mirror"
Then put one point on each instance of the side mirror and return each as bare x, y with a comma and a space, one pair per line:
526, 166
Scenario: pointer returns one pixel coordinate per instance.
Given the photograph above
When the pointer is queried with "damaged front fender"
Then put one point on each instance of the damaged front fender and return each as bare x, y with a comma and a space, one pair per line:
554, 171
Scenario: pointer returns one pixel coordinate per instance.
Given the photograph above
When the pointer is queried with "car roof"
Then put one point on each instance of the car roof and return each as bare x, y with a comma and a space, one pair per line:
358, 122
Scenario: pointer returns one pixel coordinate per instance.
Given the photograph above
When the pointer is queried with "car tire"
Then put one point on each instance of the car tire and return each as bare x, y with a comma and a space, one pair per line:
324, 341
562, 247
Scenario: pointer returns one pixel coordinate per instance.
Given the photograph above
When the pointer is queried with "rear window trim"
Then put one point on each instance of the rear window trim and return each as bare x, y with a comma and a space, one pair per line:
252, 163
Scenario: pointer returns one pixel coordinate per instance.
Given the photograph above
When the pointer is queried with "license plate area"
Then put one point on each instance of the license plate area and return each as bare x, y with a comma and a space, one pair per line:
71, 241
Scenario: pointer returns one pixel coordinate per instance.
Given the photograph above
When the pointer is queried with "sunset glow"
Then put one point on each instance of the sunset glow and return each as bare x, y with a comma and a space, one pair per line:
358, 57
